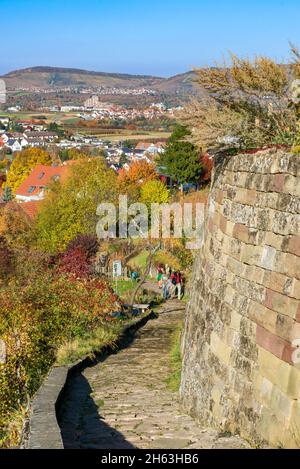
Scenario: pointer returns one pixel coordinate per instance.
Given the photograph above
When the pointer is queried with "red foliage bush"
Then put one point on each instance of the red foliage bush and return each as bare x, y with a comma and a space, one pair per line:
78, 257
76, 262
208, 164
88, 243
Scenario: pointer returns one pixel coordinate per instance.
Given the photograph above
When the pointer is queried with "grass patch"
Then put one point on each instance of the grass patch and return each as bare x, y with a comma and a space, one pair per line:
124, 287
139, 262
173, 380
89, 344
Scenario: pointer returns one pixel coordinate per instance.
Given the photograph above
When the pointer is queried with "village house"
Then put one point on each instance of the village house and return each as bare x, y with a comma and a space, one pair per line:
13, 144
15, 141
36, 184
152, 148
43, 136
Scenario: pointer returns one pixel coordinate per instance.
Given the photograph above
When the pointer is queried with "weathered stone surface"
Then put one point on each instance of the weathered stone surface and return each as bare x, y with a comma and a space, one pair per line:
44, 429
244, 312
124, 402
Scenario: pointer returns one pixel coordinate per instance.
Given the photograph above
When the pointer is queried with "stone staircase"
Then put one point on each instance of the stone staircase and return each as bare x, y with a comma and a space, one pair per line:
124, 402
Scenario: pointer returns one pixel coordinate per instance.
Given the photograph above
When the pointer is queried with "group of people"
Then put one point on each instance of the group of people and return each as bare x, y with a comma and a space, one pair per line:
171, 282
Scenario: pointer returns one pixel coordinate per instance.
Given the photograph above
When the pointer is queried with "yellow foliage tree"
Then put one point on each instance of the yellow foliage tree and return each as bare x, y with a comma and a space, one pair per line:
154, 191
70, 208
15, 226
23, 164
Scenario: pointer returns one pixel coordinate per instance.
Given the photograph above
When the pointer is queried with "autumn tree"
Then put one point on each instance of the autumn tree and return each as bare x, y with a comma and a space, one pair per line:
69, 208
131, 181
72, 154
207, 167
154, 191
23, 164
6, 258
15, 226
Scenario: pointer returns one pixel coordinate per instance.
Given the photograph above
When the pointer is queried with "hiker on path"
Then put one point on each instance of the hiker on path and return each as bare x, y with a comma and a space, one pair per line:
171, 288
178, 283
168, 271
158, 278
160, 271
165, 289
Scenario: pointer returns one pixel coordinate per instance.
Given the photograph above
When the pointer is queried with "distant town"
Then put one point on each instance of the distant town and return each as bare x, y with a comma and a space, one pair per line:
17, 133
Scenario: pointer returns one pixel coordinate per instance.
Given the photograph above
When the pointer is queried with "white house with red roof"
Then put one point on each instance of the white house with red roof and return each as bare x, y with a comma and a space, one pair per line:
152, 148
36, 184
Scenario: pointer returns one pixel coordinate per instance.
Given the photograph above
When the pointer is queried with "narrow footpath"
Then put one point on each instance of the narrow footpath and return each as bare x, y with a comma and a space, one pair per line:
124, 401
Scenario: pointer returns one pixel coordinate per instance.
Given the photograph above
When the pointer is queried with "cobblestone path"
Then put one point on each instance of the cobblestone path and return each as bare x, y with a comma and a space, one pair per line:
124, 401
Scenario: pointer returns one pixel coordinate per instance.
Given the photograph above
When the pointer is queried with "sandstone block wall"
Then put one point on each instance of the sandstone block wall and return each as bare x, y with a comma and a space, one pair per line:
239, 371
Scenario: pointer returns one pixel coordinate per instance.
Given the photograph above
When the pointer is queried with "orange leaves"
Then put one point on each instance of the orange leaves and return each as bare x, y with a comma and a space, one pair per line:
139, 172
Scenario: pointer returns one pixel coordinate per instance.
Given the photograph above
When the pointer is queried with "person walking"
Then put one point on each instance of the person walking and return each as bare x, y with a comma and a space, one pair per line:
165, 289
158, 278
178, 280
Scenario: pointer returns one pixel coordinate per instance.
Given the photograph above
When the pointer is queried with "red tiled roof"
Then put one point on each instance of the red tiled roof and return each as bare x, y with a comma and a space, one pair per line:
31, 208
142, 146
40, 178
146, 145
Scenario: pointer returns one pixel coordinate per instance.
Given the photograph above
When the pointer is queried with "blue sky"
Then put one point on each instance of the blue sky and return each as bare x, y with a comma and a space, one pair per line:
157, 37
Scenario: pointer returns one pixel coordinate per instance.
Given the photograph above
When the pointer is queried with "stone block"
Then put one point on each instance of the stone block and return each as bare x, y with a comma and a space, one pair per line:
294, 423
293, 388
281, 303
254, 273
268, 365
220, 349
271, 239
278, 282
279, 347
260, 314
287, 264
281, 404
220, 195
295, 289
266, 388
240, 232
251, 254
278, 182
268, 257
291, 185
294, 246
235, 266
235, 320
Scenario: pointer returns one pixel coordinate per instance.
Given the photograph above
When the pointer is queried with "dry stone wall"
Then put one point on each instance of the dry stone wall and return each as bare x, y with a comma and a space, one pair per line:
240, 371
